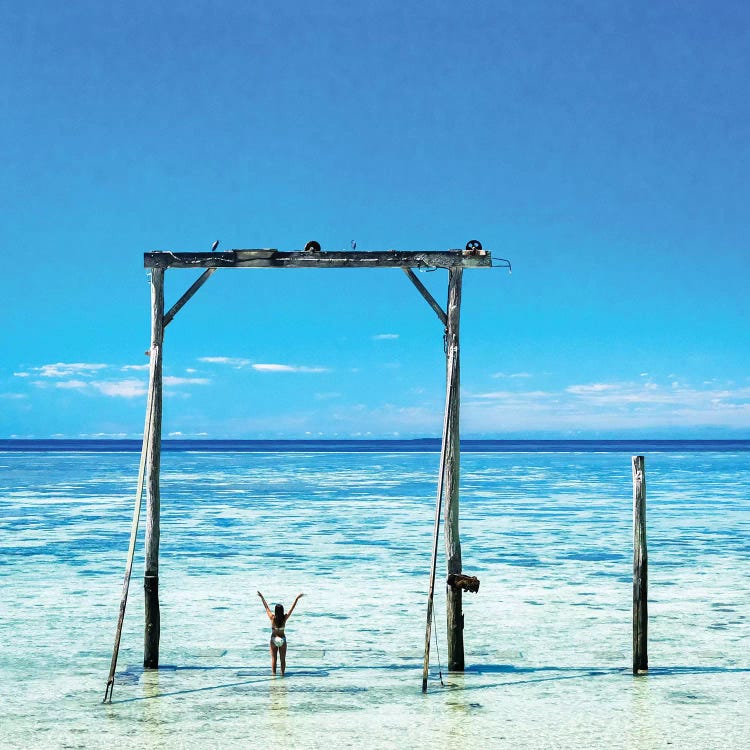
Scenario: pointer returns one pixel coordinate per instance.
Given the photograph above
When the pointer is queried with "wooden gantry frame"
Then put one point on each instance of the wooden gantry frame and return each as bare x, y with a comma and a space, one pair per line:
455, 261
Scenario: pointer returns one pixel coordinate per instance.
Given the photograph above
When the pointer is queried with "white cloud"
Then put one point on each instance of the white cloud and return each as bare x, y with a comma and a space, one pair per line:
593, 389
287, 368
21, 374
174, 380
129, 388
386, 419
107, 435
385, 336
66, 370
73, 384
608, 406
132, 388
512, 375
273, 368
13, 396
126, 388
119, 388
505, 395
345, 420
232, 361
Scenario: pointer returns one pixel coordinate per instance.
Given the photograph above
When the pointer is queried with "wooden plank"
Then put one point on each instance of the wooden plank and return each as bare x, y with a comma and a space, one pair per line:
436, 528
133, 535
640, 569
151, 574
197, 284
270, 258
422, 289
454, 596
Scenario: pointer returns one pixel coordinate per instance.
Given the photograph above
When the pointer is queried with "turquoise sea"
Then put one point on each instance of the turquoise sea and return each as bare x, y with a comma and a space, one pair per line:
546, 526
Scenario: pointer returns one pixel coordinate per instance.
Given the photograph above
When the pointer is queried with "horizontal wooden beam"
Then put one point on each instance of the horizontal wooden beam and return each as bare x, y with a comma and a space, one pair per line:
270, 258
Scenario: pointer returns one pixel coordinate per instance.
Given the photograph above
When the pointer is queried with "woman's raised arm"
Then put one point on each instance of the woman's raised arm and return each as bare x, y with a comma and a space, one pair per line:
291, 609
268, 610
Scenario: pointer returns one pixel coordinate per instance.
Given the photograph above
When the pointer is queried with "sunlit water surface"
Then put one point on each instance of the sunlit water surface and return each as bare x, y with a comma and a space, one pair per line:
548, 636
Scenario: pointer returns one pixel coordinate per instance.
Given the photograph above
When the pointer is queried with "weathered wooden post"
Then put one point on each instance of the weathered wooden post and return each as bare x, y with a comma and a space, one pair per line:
151, 576
454, 596
640, 569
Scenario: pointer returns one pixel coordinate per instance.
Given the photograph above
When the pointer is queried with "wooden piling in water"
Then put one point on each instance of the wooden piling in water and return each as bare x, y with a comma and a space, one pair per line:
640, 569
151, 575
454, 597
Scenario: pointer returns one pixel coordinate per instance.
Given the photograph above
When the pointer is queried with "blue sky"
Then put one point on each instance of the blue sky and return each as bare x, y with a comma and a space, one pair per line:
603, 147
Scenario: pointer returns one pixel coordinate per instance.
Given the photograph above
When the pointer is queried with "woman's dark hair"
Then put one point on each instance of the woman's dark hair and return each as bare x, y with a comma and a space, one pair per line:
278, 616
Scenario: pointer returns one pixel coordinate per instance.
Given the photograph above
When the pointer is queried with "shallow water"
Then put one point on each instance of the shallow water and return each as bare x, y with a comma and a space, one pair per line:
547, 636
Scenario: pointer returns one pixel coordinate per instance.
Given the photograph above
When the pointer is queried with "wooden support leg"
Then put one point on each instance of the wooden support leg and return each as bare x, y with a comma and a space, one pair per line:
153, 622
448, 451
454, 609
640, 569
436, 533
131, 547
151, 577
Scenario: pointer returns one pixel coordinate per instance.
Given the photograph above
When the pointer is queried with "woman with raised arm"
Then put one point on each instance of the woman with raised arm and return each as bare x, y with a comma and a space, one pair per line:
278, 638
